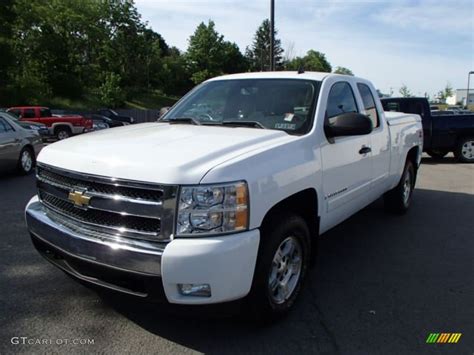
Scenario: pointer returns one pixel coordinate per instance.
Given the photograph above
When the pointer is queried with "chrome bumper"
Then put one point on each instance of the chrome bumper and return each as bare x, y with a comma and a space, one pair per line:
126, 255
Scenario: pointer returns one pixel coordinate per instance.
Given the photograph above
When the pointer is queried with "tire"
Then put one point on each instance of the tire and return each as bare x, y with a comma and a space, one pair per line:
290, 235
26, 161
437, 153
465, 150
63, 133
398, 199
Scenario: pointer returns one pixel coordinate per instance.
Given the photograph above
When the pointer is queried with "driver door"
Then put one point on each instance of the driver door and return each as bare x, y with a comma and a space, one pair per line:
346, 162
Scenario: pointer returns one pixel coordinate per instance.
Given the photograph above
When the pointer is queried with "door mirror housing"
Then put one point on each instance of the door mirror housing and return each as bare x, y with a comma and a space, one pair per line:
348, 124
163, 111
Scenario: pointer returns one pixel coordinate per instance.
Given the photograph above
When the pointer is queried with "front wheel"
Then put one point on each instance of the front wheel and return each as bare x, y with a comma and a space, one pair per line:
63, 133
281, 266
398, 199
465, 150
26, 161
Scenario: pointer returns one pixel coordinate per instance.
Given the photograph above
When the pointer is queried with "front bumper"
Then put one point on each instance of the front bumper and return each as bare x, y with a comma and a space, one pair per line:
145, 269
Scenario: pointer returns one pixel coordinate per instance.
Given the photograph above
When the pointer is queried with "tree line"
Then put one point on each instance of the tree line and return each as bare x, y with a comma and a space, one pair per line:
70, 49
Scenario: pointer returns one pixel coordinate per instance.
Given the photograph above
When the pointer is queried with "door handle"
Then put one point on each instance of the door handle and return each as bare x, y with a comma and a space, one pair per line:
365, 150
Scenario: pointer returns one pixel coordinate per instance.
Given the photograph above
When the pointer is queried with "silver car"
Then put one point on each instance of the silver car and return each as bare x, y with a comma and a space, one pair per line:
18, 146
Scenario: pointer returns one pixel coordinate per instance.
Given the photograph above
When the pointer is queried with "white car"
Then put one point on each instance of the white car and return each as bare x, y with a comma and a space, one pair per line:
226, 196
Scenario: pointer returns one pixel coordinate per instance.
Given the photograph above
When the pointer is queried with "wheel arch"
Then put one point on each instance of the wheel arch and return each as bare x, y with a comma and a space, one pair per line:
303, 203
56, 126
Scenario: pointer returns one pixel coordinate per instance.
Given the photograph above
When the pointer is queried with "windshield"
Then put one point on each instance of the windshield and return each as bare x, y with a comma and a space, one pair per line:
282, 104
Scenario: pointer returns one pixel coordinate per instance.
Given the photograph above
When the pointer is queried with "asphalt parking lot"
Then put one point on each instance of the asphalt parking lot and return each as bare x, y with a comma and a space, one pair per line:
381, 284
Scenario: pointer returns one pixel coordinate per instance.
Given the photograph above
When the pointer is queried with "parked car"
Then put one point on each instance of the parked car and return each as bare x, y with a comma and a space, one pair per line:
444, 131
39, 127
61, 126
115, 116
105, 120
454, 108
441, 113
227, 202
18, 146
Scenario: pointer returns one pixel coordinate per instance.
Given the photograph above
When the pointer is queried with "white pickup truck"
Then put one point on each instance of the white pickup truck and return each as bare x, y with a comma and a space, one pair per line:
225, 196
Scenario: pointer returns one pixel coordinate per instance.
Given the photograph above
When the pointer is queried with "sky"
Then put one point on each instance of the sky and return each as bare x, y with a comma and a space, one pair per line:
424, 44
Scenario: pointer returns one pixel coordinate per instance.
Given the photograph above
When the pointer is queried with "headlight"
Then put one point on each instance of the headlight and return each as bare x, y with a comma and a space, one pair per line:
35, 128
212, 209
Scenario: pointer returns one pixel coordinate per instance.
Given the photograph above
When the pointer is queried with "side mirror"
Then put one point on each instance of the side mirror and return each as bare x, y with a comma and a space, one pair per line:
348, 124
163, 111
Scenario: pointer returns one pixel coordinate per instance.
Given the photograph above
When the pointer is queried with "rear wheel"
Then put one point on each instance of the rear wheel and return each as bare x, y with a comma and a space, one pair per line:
63, 133
26, 161
437, 153
398, 199
465, 150
282, 264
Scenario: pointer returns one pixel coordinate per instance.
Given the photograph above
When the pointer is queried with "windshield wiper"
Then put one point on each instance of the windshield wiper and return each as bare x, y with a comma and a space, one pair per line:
179, 120
254, 124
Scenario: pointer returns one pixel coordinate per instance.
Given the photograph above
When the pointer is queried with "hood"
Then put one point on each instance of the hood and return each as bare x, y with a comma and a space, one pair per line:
157, 152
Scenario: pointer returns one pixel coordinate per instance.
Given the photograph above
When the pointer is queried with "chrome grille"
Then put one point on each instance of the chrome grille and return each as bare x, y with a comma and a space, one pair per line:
115, 207
93, 186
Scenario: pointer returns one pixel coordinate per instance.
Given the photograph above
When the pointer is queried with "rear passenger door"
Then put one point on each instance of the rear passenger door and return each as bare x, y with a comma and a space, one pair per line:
29, 114
346, 167
9, 145
379, 138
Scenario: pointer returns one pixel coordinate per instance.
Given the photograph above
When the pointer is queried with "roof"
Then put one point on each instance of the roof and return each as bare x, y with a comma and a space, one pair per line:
308, 75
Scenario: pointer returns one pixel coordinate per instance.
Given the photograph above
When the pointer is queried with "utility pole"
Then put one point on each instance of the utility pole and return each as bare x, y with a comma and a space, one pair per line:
272, 35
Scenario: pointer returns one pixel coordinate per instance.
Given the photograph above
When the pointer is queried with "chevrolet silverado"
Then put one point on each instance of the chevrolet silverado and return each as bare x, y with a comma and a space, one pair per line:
225, 197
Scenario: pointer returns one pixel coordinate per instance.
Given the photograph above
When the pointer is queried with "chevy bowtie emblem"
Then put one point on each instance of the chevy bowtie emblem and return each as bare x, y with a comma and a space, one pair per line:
79, 199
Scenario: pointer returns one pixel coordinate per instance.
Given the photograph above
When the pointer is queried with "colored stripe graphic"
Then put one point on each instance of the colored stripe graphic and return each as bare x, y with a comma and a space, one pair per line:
455, 338
432, 338
443, 338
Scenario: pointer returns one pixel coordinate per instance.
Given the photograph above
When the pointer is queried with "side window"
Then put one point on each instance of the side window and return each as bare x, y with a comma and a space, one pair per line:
341, 100
29, 113
15, 111
391, 106
369, 104
414, 107
45, 112
5, 126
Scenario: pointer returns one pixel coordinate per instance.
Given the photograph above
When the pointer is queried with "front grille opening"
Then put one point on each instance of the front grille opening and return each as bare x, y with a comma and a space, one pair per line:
94, 186
101, 218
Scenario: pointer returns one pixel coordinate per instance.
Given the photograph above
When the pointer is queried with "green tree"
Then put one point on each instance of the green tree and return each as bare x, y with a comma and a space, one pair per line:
258, 55
174, 77
312, 61
404, 91
209, 55
343, 71
7, 60
111, 94
446, 92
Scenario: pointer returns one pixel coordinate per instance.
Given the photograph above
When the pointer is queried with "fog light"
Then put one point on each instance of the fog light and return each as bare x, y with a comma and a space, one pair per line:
198, 290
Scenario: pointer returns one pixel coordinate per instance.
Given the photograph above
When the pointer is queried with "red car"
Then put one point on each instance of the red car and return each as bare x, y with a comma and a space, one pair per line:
61, 126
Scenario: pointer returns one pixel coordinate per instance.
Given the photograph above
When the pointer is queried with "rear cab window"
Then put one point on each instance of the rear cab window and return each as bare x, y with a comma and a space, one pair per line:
45, 112
369, 104
29, 113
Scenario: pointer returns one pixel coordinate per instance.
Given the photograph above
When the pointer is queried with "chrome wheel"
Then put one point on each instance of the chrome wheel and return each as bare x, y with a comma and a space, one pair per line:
407, 186
63, 135
285, 270
467, 150
26, 161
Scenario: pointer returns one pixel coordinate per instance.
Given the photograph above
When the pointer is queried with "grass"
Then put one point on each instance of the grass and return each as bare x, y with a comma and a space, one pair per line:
142, 101
151, 100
